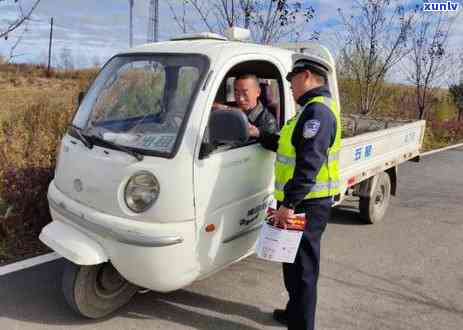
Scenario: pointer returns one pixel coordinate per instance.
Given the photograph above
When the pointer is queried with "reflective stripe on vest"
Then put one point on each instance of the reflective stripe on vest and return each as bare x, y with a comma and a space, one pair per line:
317, 187
327, 179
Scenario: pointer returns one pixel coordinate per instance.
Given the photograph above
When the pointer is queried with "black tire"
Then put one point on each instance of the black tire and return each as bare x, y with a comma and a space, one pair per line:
373, 209
95, 291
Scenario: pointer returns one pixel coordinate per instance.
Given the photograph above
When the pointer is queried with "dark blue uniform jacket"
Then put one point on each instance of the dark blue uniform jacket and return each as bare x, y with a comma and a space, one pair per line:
311, 152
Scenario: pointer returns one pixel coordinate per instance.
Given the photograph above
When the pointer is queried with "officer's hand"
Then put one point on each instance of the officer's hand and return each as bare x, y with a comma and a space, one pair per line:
283, 217
253, 131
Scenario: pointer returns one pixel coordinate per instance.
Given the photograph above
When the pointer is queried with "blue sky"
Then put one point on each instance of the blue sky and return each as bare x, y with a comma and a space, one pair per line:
93, 30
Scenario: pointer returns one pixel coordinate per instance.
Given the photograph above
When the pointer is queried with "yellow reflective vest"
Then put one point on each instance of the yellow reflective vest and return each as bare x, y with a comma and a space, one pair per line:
327, 182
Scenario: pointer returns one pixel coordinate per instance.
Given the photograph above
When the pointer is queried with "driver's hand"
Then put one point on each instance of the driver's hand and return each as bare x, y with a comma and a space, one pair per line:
220, 106
253, 131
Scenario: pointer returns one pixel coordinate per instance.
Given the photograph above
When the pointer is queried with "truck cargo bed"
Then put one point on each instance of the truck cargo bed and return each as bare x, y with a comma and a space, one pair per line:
353, 125
371, 146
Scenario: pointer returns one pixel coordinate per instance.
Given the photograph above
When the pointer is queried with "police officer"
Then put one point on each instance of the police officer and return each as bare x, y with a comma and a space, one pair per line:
306, 179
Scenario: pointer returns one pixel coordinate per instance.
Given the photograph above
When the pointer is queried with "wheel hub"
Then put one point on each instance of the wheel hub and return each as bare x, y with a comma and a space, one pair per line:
108, 281
380, 196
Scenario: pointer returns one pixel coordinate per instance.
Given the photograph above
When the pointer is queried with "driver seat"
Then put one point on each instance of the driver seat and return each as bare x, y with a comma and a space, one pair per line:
269, 101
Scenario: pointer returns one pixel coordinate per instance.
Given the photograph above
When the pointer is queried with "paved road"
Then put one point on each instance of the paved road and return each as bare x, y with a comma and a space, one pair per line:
405, 273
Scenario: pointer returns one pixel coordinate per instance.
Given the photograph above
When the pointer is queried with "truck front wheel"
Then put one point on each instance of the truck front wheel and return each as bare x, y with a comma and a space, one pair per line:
373, 209
95, 291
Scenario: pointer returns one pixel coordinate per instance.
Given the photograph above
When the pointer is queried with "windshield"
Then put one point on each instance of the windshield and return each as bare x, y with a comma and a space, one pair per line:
142, 101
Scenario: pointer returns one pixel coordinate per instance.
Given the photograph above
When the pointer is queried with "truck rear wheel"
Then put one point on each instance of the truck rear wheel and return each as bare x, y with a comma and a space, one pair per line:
373, 209
95, 291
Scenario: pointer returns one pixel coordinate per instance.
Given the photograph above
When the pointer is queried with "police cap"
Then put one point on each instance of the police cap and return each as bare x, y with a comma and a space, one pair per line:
303, 65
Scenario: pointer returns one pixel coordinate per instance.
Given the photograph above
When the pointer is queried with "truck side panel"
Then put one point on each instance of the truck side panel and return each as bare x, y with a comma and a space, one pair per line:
368, 154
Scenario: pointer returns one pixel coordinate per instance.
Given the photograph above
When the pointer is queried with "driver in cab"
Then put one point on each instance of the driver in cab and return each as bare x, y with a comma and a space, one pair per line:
247, 93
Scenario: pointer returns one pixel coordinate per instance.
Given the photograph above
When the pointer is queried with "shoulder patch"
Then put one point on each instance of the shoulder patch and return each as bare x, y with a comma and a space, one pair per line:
311, 128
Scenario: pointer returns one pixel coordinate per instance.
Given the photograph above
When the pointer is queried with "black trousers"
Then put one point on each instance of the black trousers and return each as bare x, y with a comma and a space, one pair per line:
301, 277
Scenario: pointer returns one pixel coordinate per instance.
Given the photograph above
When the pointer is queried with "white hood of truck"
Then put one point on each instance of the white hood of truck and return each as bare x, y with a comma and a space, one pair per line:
97, 177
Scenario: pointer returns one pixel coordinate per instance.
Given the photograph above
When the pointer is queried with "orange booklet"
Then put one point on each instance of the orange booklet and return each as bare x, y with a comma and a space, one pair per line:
298, 223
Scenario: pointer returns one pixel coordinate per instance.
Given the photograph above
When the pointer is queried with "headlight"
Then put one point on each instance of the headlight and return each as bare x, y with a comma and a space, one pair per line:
141, 191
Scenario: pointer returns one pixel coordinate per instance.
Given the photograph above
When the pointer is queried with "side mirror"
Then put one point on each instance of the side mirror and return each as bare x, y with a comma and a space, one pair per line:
206, 149
228, 126
80, 97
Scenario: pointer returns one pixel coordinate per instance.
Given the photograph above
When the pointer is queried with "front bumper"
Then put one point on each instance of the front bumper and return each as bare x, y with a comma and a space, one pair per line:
159, 256
127, 236
72, 244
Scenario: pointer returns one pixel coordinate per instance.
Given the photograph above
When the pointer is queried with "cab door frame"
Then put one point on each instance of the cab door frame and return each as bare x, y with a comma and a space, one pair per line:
216, 249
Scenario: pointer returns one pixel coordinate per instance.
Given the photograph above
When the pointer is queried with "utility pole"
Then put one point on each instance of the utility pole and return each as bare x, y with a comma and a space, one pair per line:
49, 45
156, 21
153, 21
131, 23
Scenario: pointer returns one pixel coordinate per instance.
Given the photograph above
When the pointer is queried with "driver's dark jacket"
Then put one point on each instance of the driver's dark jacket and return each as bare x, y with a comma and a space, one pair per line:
263, 119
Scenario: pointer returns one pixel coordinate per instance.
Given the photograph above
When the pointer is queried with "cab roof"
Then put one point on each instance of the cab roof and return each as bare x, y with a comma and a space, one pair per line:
217, 46
209, 47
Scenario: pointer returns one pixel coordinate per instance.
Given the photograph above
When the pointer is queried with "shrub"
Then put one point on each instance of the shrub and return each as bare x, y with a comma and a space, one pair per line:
28, 140
26, 189
447, 132
456, 93
35, 110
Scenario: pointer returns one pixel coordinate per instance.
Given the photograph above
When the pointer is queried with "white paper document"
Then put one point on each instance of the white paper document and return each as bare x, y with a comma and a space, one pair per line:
276, 244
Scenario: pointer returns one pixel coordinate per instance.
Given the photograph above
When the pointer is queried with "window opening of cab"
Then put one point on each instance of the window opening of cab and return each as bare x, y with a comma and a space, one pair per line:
268, 75
142, 101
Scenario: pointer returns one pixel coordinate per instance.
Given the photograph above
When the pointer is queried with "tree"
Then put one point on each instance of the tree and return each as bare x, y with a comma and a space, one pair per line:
425, 64
375, 40
24, 15
456, 92
269, 21
16, 44
455, 81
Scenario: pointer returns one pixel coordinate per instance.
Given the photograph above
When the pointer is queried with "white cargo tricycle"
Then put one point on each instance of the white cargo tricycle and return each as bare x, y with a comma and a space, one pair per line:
153, 189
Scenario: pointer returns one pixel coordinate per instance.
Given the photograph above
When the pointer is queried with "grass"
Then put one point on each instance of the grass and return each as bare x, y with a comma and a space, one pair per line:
430, 142
4, 255
34, 111
3, 207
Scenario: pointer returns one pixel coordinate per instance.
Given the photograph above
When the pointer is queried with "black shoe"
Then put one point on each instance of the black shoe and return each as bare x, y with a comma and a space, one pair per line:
280, 316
